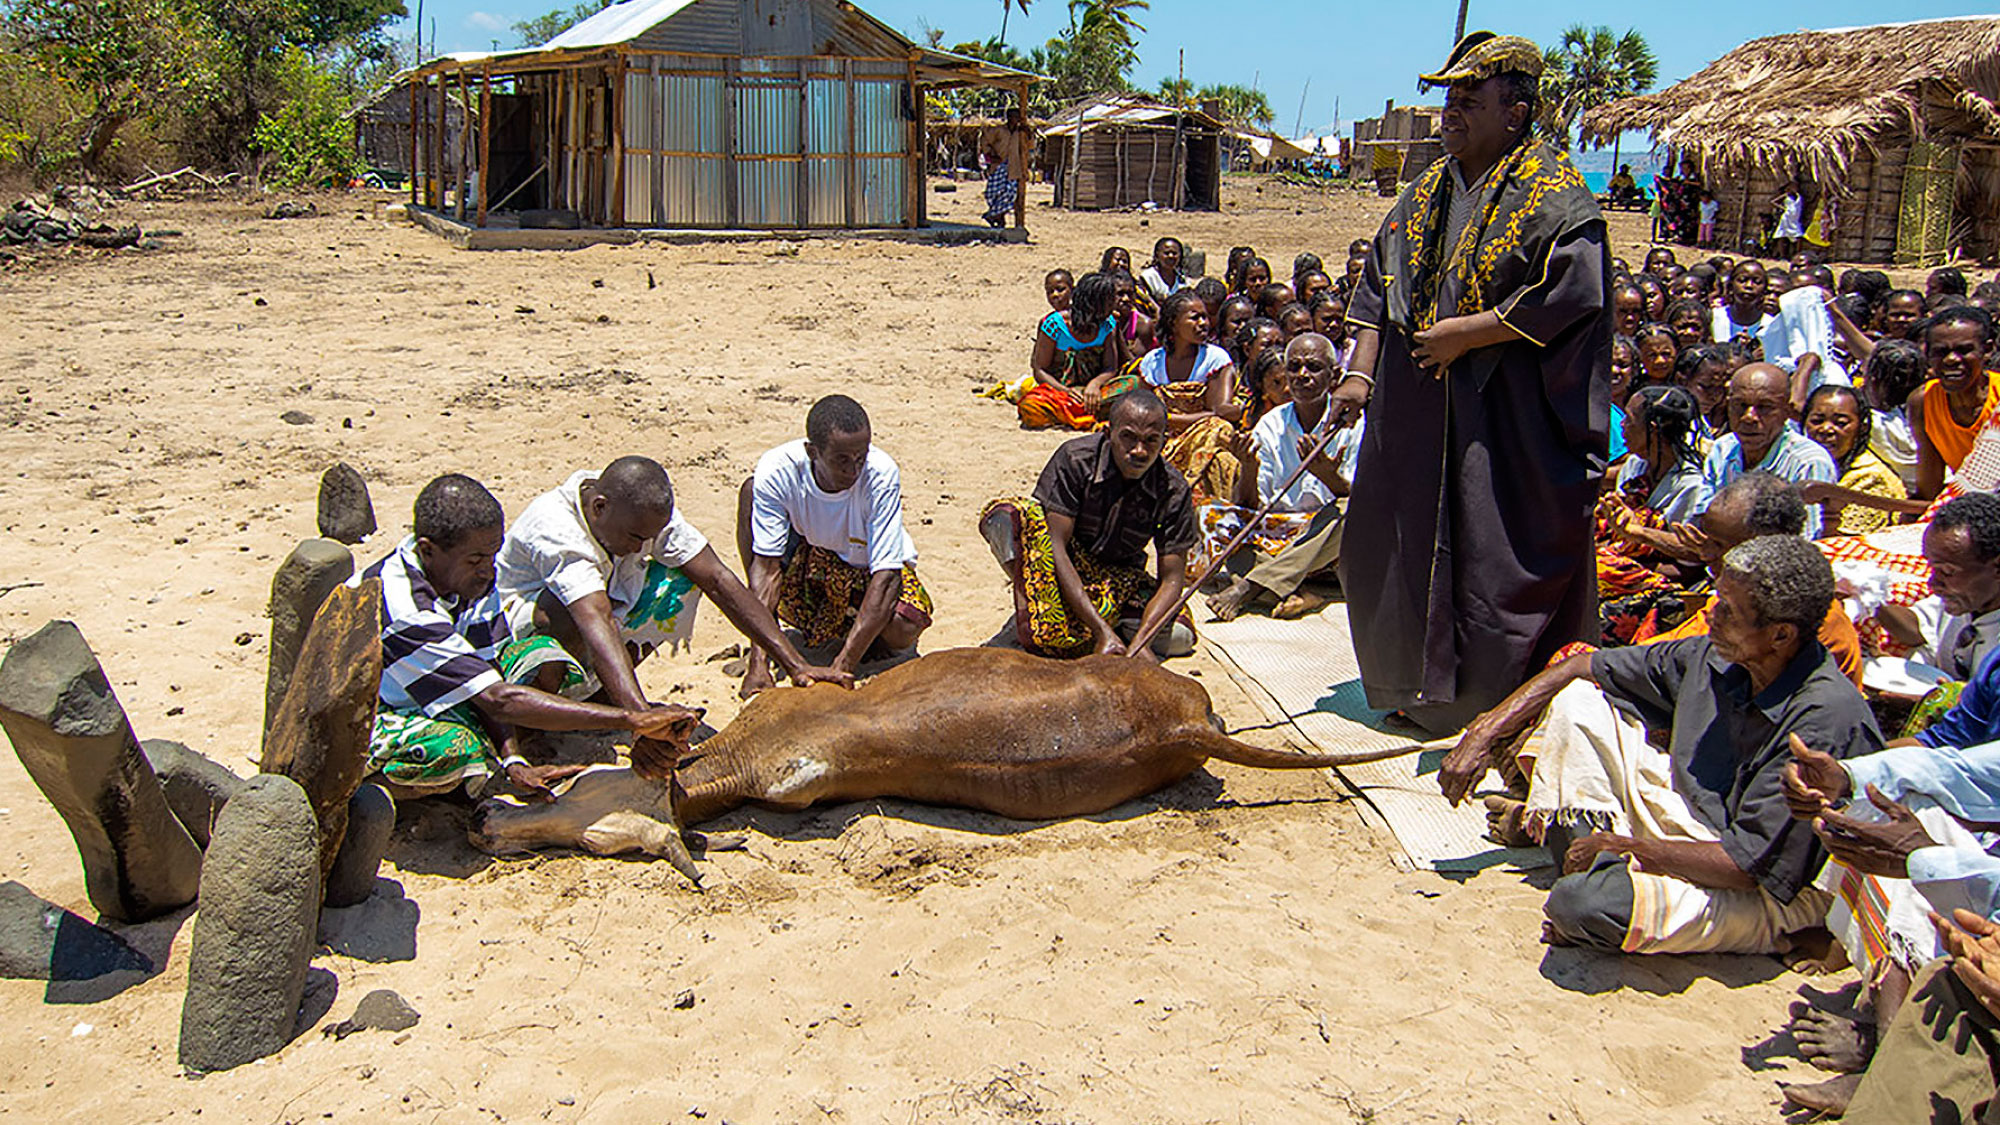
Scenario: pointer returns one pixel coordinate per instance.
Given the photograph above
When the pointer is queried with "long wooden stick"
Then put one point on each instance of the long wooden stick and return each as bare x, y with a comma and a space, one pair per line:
1145, 636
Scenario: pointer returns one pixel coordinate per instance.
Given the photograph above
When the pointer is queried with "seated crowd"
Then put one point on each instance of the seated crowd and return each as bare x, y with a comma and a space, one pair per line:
1710, 777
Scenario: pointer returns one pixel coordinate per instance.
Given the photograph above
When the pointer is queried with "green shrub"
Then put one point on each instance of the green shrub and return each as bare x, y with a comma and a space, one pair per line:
309, 139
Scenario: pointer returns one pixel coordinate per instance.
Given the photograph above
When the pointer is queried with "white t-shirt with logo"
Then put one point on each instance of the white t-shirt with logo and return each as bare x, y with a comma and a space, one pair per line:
863, 525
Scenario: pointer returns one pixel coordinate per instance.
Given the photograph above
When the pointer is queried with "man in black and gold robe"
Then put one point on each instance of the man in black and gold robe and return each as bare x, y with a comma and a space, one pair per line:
1482, 359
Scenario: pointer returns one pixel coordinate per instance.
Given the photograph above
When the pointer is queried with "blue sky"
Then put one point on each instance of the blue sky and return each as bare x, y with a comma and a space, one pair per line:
1362, 54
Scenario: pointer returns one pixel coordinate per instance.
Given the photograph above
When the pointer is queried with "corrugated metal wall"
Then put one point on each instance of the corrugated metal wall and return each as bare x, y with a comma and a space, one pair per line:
790, 139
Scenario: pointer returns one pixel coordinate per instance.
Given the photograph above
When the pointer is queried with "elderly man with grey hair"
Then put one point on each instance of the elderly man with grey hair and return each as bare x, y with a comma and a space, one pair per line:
1691, 848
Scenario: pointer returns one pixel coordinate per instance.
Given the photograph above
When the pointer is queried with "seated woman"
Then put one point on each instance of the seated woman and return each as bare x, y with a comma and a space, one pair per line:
1839, 421
1704, 372
1958, 401
1658, 350
1624, 367
1261, 388
1293, 321
1163, 276
1638, 545
1894, 371
1236, 311
1197, 381
1300, 535
1254, 338
1058, 285
1310, 284
1252, 276
1072, 351
1232, 272
1135, 325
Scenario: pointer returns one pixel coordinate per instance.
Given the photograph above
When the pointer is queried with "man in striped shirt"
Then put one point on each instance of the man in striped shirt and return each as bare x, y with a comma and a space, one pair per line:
455, 682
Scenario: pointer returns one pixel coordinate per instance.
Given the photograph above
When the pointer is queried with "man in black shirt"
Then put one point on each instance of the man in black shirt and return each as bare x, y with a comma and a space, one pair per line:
1690, 849
1076, 552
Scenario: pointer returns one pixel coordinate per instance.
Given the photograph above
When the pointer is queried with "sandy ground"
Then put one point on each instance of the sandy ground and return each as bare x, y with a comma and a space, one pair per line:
1239, 948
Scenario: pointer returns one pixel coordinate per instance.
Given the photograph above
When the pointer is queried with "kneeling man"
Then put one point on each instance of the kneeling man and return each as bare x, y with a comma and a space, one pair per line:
820, 525
607, 567
1690, 849
454, 679
1076, 552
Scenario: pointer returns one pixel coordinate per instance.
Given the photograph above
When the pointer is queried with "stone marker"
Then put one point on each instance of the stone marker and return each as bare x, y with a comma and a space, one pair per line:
74, 739
254, 934
371, 818
345, 512
196, 787
41, 941
299, 588
318, 736
380, 1010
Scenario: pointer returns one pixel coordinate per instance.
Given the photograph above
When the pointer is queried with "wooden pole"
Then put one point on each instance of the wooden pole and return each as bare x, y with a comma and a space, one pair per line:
437, 155
415, 132
464, 145
656, 104
1021, 196
852, 185
913, 156
802, 183
485, 142
732, 208
618, 142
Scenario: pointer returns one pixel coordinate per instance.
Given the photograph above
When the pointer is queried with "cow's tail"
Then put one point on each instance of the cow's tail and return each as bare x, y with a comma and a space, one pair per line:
1218, 745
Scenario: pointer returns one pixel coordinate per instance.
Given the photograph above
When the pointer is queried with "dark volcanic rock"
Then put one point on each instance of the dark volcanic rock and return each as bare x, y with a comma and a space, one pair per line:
299, 588
371, 819
196, 787
345, 512
318, 736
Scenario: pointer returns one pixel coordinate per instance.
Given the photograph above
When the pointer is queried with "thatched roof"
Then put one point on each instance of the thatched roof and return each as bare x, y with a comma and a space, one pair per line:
1809, 101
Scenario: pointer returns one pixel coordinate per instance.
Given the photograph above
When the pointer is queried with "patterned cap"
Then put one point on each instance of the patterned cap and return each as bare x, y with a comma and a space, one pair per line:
1482, 54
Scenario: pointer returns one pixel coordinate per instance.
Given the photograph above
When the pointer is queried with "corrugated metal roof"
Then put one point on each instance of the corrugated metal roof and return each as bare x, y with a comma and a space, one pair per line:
620, 23
1119, 110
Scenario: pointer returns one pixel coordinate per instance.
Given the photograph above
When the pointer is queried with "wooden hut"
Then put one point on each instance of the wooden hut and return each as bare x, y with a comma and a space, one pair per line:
1124, 151
1895, 126
383, 124
718, 114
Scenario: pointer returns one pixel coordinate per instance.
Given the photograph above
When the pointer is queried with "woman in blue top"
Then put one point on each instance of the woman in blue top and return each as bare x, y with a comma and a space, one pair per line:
1074, 351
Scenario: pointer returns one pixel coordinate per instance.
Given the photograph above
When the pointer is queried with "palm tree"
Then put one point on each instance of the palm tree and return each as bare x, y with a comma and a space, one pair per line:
1588, 68
1111, 20
1176, 91
1006, 8
1241, 105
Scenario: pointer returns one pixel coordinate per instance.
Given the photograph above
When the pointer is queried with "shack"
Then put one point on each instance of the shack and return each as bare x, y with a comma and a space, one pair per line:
1396, 146
1894, 128
1120, 150
707, 114
383, 127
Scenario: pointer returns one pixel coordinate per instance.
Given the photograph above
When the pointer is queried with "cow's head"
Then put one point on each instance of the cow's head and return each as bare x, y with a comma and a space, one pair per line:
605, 810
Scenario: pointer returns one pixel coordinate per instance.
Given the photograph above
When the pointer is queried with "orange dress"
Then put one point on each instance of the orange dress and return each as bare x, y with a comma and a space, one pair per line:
1951, 440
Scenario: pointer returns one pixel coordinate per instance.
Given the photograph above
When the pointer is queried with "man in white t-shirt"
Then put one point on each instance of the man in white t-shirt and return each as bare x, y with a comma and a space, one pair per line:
820, 525
606, 566
1269, 454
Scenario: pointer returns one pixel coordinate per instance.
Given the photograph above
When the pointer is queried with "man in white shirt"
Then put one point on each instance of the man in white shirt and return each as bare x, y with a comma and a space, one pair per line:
1270, 453
606, 566
820, 525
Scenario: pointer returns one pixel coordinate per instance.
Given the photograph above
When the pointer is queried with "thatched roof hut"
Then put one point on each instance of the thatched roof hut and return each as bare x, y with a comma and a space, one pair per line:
1871, 118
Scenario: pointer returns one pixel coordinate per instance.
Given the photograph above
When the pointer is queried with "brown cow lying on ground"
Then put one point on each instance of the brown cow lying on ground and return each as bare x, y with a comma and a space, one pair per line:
980, 728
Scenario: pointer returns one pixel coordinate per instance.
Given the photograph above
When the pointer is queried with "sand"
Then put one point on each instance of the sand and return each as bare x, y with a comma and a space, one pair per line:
1238, 948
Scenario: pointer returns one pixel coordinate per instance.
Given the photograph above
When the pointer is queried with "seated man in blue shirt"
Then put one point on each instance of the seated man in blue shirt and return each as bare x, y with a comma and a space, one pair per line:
1691, 848
1759, 406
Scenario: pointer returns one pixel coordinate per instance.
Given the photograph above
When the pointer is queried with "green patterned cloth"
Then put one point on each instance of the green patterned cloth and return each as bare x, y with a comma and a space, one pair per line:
419, 751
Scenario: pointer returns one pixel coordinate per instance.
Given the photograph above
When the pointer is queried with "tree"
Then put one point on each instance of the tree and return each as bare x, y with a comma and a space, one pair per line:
539, 30
1241, 105
1586, 69
309, 138
1006, 8
117, 58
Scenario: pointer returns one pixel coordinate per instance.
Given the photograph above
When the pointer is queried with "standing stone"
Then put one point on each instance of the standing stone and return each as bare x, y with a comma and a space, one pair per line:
371, 820
41, 941
318, 736
196, 786
345, 512
73, 737
299, 588
253, 936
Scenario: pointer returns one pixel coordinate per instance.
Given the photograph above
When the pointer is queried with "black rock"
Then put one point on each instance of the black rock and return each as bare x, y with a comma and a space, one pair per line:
371, 819
254, 934
345, 511
196, 786
380, 1010
41, 941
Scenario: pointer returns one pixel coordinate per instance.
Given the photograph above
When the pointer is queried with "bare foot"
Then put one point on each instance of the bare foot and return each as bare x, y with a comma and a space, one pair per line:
1227, 605
1300, 605
1832, 1042
1506, 822
1829, 1097
757, 680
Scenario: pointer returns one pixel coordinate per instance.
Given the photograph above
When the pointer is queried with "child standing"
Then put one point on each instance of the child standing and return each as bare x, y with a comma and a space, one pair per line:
1709, 207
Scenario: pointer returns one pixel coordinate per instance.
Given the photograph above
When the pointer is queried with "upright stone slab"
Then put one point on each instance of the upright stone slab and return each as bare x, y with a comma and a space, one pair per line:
345, 512
299, 588
254, 934
196, 786
73, 737
318, 735
41, 941
371, 819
